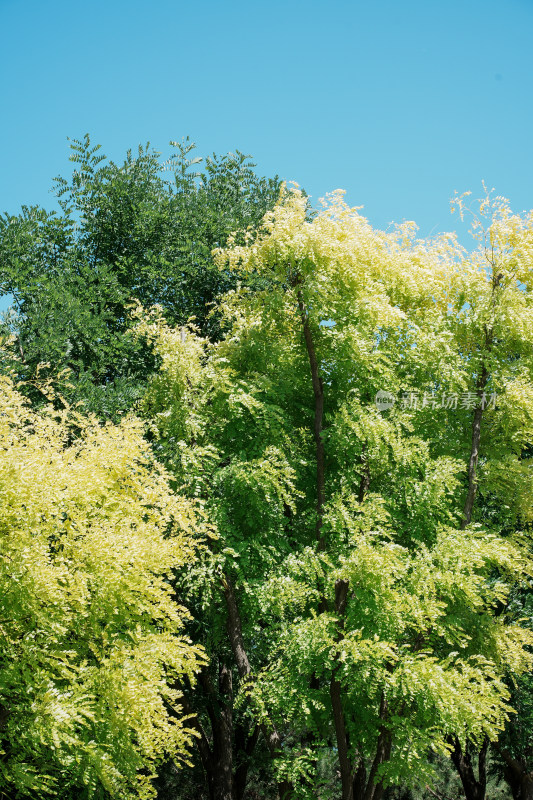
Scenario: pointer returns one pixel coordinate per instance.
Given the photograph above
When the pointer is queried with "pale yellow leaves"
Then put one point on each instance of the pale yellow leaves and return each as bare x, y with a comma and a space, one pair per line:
91, 535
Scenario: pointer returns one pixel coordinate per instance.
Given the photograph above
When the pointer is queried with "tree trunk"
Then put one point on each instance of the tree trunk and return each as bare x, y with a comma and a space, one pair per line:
318, 390
245, 746
353, 780
223, 739
474, 788
335, 691
352, 776
374, 789
517, 776
341, 587
364, 484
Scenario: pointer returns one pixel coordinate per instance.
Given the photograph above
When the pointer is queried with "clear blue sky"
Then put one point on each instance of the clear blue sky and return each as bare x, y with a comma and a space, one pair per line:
399, 103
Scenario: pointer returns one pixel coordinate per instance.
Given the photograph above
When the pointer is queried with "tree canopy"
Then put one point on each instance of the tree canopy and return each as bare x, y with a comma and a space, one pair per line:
266, 493
364, 594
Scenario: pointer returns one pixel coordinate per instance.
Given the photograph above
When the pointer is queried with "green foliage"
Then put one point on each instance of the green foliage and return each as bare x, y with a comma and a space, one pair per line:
160, 286
124, 232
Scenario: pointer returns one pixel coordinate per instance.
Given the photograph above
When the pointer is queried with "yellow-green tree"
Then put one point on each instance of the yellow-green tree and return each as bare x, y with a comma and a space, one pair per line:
91, 637
358, 594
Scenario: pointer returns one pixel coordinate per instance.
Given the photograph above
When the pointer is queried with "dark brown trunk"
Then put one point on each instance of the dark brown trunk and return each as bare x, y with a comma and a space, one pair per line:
223, 739
351, 779
526, 788
335, 691
341, 587
359, 781
224, 777
216, 757
235, 631
474, 788
478, 413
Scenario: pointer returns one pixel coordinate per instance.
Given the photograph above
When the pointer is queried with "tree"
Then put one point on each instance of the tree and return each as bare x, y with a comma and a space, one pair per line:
493, 333
125, 231
350, 604
92, 638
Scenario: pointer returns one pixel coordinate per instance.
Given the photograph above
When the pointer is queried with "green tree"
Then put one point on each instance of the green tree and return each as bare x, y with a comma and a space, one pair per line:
137, 230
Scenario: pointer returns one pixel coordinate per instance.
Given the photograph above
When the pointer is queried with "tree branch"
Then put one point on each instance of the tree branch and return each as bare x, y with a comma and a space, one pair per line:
374, 790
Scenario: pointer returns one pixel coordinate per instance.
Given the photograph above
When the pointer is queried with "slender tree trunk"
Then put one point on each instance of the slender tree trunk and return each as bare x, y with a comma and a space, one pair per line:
359, 781
341, 587
374, 789
364, 484
335, 691
474, 453
225, 781
352, 778
475, 789
478, 413
318, 390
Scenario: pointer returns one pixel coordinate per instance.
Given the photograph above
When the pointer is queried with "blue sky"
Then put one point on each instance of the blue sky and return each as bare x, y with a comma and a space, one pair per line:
398, 103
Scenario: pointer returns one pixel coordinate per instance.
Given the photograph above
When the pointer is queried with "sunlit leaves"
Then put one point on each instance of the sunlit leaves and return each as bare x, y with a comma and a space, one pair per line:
92, 637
